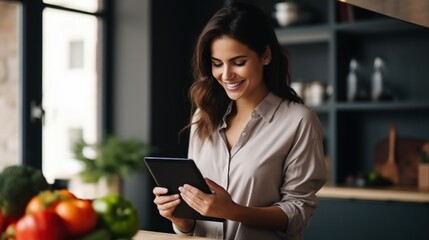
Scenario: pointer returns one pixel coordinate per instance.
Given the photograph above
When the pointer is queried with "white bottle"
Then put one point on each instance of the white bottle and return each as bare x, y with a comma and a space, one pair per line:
377, 79
352, 81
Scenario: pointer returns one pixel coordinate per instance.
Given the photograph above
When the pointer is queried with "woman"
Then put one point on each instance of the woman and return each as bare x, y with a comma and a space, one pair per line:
260, 148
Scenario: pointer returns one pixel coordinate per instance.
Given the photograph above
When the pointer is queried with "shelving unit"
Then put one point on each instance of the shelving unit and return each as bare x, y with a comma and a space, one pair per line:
321, 51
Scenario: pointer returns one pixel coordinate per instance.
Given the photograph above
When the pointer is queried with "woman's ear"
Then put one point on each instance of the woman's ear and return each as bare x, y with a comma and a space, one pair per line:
266, 57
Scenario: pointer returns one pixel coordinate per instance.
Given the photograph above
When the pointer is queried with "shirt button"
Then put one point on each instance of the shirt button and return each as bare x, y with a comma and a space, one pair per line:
244, 134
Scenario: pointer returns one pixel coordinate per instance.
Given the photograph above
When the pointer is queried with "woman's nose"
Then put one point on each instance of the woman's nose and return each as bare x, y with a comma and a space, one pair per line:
227, 74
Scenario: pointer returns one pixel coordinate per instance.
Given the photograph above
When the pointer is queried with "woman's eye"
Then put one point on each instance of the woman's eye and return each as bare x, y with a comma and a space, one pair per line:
240, 64
215, 64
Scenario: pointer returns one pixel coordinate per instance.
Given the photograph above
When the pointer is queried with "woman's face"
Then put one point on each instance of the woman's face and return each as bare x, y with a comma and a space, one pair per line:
238, 69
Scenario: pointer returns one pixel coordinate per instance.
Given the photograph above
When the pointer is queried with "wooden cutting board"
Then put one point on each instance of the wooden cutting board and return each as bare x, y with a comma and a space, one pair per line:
407, 155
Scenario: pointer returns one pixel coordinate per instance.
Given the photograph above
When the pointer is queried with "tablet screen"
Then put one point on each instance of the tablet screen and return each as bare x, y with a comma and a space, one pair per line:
172, 173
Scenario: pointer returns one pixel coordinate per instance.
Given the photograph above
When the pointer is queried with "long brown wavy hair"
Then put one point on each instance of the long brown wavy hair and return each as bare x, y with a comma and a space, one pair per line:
250, 26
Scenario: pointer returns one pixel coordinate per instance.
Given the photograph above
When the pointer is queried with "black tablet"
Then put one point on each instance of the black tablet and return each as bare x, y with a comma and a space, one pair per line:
172, 173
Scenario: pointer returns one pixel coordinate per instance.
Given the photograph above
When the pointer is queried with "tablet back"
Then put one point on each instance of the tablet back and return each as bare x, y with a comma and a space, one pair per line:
172, 173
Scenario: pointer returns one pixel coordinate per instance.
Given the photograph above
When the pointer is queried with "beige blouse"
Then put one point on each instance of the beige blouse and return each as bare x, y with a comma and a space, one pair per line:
278, 160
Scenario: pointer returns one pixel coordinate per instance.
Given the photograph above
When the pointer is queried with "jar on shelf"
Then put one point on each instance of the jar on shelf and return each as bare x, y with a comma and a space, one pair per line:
315, 93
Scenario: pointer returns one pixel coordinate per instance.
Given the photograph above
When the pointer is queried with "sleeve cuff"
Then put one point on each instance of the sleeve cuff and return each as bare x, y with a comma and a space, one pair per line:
190, 233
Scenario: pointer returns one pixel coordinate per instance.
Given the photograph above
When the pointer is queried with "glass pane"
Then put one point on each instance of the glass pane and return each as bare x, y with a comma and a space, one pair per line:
84, 5
9, 84
71, 88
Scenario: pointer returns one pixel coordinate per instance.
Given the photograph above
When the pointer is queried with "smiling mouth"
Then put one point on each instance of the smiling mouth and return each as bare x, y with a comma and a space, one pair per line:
232, 86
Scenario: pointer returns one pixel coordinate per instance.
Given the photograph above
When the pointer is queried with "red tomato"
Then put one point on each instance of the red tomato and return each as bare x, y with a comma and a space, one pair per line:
45, 225
47, 200
78, 215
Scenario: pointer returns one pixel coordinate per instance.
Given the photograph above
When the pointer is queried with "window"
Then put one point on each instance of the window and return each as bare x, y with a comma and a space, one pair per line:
58, 93
71, 88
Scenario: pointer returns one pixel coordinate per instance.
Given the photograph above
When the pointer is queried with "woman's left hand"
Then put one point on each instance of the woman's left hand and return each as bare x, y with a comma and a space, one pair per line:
219, 204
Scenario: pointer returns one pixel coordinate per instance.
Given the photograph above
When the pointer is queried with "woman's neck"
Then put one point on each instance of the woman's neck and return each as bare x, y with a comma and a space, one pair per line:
245, 106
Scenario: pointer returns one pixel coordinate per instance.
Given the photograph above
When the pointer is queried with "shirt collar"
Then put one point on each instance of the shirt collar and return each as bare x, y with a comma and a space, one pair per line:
268, 107
228, 111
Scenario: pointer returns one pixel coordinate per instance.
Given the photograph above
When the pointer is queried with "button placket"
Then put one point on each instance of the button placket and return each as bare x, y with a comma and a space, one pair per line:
245, 133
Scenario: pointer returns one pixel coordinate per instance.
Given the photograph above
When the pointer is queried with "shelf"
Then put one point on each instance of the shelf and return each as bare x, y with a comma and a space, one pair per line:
382, 106
303, 34
322, 108
395, 194
376, 26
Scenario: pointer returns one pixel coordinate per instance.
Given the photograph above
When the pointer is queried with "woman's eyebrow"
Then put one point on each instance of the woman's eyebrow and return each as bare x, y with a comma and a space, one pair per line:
230, 60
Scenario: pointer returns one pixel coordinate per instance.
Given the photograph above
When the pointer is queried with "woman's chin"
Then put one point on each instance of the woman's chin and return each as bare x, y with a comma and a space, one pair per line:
234, 96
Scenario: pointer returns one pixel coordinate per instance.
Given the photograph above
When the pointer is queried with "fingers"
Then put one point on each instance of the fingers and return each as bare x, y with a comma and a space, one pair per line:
190, 189
188, 192
159, 191
164, 199
193, 196
214, 205
165, 203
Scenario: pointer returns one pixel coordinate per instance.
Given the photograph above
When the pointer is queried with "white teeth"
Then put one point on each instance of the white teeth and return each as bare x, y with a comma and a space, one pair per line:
233, 85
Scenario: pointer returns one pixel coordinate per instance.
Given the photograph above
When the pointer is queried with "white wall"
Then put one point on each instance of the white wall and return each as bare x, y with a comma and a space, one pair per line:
132, 91
132, 69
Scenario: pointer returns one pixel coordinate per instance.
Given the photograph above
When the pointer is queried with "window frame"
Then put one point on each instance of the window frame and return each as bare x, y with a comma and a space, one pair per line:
31, 42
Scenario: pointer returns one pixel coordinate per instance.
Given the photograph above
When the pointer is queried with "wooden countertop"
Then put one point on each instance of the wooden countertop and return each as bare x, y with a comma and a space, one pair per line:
378, 194
149, 235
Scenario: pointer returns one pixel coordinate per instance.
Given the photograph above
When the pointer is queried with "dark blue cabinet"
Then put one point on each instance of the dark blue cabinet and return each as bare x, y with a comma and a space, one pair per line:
338, 219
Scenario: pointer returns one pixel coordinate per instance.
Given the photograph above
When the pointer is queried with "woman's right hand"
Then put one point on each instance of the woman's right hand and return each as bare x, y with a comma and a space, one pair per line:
166, 205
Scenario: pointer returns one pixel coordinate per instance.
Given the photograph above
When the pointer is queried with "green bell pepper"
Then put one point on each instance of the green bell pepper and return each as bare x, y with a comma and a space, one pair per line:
118, 215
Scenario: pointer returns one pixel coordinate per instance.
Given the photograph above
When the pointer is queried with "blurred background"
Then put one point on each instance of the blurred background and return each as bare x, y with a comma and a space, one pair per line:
87, 69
